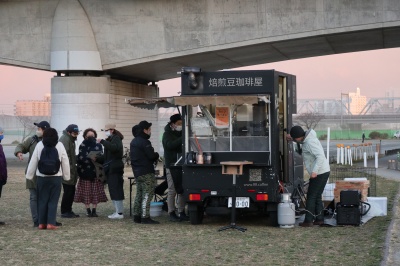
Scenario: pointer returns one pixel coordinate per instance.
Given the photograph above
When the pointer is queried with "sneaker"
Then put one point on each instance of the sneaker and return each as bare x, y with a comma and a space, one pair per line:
173, 217
42, 226
116, 216
183, 216
51, 227
149, 221
74, 214
69, 215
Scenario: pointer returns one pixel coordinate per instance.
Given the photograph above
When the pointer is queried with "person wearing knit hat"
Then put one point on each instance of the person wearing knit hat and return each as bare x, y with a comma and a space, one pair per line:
172, 143
297, 132
3, 166
318, 168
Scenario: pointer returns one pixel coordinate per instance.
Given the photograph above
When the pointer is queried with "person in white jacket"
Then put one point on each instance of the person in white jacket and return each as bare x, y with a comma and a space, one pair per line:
48, 186
318, 167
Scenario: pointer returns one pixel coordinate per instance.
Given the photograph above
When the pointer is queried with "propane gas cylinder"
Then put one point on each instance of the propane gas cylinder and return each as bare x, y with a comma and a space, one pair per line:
286, 212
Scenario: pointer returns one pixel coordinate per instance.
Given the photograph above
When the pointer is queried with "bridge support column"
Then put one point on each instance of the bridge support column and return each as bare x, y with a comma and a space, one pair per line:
95, 101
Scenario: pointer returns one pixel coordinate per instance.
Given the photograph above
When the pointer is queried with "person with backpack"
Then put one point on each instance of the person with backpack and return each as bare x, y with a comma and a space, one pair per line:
3, 167
50, 164
143, 158
28, 146
68, 138
90, 189
113, 167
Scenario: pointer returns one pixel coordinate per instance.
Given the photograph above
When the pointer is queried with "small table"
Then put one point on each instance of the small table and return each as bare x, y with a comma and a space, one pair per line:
132, 181
233, 168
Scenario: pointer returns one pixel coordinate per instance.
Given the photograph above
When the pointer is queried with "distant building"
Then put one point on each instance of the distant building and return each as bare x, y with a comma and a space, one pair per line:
34, 108
357, 102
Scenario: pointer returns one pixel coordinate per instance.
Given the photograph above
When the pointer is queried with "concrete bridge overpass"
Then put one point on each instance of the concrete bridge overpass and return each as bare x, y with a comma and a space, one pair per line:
151, 40
104, 51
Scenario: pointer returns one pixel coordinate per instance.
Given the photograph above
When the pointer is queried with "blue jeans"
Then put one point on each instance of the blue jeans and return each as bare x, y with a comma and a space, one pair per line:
314, 205
48, 192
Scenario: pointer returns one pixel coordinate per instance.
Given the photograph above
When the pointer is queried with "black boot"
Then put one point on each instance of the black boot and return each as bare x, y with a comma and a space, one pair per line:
183, 216
94, 214
173, 217
88, 212
149, 221
137, 219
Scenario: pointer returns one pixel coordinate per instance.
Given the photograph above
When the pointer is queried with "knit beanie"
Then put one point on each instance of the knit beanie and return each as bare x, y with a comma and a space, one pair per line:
297, 132
175, 117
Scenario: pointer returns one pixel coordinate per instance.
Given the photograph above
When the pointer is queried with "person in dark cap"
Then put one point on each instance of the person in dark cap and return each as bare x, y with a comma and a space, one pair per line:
68, 138
113, 153
143, 157
3, 166
172, 143
28, 146
318, 168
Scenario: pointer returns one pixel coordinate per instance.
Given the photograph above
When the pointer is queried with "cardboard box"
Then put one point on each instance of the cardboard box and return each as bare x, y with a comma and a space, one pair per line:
361, 186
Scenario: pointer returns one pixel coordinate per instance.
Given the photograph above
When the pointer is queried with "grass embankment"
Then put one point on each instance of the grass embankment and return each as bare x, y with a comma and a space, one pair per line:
100, 241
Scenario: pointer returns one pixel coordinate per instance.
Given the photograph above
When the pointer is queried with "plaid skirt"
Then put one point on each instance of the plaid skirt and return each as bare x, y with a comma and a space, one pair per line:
90, 192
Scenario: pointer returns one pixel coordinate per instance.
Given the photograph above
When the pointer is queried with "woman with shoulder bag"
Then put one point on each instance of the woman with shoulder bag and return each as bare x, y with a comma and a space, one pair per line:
90, 189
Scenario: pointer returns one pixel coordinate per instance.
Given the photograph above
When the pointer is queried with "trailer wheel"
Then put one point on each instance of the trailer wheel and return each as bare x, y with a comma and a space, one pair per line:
196, 216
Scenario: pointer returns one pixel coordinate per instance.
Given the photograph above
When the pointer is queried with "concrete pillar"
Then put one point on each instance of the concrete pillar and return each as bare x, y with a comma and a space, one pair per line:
95, 101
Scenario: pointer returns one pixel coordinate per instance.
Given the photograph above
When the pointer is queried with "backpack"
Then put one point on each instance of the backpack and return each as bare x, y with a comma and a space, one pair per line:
49, 162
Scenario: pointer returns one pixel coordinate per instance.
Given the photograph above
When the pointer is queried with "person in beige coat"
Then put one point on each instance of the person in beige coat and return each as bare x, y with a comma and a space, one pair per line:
48, 186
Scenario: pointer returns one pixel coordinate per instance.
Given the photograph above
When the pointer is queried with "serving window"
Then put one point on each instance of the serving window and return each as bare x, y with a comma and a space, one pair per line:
229, 127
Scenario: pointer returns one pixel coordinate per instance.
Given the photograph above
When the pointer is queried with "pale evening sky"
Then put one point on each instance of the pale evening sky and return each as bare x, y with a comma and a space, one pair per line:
374, 72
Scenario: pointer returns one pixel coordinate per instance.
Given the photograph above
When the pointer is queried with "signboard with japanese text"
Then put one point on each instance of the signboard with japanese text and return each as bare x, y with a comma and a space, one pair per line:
230, 82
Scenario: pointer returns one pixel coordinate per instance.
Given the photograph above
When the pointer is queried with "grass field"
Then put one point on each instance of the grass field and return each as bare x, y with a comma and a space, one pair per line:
101, 241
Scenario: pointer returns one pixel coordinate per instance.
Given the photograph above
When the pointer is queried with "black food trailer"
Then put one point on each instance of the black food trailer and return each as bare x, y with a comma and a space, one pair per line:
235, 116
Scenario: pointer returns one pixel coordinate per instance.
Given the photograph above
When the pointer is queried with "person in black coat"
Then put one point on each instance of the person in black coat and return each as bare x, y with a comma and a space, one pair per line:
143, 159
3, 166
113, 167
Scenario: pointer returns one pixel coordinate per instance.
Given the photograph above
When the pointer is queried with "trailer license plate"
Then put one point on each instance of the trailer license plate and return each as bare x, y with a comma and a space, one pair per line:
241, 202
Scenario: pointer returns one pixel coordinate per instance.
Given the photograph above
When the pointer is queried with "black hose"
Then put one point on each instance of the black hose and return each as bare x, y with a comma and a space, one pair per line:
369, 207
